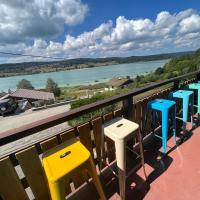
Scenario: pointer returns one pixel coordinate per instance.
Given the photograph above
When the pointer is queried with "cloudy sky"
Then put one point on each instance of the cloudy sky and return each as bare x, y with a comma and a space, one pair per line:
97, 28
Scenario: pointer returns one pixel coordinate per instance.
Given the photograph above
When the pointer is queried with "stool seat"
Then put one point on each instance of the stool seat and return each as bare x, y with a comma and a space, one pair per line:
182, 93
194, 86
160, 104
64, 158
119, 128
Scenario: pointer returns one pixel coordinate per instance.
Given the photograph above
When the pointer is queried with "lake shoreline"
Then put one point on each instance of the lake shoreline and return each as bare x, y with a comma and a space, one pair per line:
83, 76
6, 75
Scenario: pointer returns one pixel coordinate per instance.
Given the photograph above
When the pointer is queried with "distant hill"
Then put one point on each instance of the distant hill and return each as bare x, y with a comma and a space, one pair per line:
13, 69
175, 67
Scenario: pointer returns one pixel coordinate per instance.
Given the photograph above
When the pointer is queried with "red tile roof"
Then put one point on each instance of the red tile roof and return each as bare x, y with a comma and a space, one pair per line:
32, 94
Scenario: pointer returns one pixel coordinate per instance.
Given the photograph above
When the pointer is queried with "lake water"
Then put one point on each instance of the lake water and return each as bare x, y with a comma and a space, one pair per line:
83, 76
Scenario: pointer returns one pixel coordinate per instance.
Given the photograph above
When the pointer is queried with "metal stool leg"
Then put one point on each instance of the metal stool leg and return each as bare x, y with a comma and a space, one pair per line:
121, 165
198, 105
57, 190
192, 109
93, 174
185, 113
141, 152
164, 130
154, 120
174, 124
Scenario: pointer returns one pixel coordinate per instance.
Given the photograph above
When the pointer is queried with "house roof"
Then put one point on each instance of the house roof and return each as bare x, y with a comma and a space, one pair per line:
32, 94
117, 82
5, 96
2, 94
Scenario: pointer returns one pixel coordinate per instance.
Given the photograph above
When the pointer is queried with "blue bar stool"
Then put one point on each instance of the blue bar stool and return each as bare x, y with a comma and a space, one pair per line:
166, 107
188, 102
196, 86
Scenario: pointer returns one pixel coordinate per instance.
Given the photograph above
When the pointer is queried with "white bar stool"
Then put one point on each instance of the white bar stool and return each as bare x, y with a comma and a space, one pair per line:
120, 130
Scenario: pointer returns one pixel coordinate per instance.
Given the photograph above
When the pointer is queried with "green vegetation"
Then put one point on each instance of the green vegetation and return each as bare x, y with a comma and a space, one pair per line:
44, 67
92, 115
25, 84
52, 86
175, 67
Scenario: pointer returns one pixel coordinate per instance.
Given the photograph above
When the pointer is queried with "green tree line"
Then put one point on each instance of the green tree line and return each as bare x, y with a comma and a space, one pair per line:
51, 86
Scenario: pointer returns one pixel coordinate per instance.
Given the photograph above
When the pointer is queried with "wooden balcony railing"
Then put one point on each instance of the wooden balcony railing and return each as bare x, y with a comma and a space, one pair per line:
30, 173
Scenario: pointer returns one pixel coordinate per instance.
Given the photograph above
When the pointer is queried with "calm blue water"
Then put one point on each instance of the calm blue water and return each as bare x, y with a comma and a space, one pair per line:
83, 76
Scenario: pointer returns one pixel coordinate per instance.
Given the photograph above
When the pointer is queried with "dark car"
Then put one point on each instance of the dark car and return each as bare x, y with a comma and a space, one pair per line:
7, 106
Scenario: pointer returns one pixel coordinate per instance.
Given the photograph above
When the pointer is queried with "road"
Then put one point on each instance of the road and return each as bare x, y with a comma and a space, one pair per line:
15, 121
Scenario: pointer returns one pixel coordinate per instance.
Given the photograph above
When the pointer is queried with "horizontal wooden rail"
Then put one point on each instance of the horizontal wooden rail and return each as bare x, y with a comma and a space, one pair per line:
31, 128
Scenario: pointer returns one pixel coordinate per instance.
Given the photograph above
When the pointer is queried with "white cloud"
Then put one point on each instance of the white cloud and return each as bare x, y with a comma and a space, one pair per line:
22, 20
87, 39
40, 44
190, 24
168, 32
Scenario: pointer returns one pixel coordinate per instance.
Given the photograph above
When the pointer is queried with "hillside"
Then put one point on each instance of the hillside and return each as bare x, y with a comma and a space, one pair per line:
13, 69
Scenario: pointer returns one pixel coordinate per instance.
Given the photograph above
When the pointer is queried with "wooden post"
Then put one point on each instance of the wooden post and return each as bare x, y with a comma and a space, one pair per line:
176, 85
128, 108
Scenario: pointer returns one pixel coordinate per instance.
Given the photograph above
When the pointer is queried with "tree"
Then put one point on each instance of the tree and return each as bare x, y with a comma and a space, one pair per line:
25, 84
52, 86
159, 71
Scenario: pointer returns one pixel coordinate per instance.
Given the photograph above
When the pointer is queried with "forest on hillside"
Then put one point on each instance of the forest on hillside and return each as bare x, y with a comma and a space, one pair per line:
14, 69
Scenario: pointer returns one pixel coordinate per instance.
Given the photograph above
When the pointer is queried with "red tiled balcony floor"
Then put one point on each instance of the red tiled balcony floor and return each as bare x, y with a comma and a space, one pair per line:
174, 177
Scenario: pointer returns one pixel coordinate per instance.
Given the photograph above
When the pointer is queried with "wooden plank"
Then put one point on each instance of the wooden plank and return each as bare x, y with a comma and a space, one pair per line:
144, 111
32, 168
138, 119
138, 113
149, 119
134, 112
109, 143
118, 113
97, 131
108, 117
166, 93
67, 135
85, 136
128, 108
10, 185
48, 144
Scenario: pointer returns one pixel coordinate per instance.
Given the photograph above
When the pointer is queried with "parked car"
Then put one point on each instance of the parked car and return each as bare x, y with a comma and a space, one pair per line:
7, 106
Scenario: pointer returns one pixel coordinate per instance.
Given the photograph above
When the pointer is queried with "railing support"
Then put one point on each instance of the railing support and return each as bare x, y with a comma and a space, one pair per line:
128, 108
176, 85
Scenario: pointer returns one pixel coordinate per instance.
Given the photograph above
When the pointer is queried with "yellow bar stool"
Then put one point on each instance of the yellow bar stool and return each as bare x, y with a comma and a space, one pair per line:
65, 160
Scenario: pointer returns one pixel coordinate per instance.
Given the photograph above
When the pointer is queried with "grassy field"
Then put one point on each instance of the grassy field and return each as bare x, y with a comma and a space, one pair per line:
81, 91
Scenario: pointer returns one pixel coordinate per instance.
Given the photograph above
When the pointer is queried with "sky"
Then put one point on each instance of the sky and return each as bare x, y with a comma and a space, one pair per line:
97, 28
